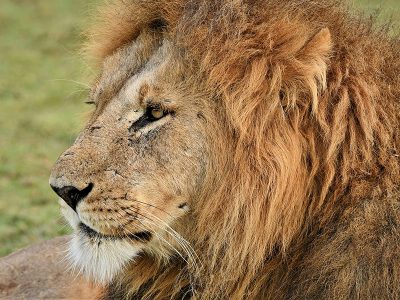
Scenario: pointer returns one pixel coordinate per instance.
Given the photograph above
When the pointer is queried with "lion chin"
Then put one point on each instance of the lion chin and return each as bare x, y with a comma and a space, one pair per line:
98, 258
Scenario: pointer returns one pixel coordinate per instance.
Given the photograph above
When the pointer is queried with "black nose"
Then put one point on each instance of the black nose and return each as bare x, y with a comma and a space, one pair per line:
72, 195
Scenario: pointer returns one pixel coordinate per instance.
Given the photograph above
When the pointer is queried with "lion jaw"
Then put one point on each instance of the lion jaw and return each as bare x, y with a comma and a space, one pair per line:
98, 259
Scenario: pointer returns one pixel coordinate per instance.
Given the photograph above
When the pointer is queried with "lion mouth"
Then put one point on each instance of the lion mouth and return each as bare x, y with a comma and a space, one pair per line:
143, 236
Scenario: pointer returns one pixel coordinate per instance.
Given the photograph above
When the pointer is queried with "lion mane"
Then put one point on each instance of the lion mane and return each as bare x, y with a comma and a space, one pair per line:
309, 205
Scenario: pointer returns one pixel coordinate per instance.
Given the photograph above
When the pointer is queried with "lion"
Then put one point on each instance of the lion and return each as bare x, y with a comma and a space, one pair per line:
237, 150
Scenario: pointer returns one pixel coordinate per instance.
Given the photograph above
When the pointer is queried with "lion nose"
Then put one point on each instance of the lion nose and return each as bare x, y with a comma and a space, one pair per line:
71, 195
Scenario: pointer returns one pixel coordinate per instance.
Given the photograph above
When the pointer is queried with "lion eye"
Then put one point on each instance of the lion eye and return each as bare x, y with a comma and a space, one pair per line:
157, 113
151, 114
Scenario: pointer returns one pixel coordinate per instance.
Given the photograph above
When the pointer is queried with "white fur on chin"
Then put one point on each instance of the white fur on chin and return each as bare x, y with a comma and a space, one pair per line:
100, 259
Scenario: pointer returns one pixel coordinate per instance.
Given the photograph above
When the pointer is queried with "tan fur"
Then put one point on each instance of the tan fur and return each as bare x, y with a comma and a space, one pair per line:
296, 107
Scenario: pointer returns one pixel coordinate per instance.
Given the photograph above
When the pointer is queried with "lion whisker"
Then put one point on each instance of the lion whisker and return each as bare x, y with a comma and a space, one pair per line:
151, 205
179, 237
85, 85
191, 253
158, 226
160, 237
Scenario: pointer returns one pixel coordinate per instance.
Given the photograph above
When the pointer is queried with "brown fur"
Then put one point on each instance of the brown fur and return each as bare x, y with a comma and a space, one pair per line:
301, 195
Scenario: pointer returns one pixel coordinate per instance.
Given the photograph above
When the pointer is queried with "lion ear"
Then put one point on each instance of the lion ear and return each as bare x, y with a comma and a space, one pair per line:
309, 68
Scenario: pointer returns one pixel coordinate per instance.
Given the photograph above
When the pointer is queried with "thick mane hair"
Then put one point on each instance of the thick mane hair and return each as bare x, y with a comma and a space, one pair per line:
309, 94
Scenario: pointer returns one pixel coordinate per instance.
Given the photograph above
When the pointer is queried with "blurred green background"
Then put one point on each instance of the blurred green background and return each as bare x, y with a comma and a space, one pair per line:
43, 83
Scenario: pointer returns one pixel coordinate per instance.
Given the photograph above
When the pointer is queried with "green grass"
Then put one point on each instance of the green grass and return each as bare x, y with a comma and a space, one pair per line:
40, 112
41, 109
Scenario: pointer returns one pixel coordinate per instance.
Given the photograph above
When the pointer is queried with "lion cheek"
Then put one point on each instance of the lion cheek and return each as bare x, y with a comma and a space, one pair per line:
100, 260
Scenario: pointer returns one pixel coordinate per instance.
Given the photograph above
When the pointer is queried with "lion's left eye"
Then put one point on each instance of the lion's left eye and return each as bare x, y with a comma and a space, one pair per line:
151, 114
156, 113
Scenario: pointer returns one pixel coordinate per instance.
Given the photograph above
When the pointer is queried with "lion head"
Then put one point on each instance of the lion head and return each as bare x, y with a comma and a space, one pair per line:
220, 134
139, 162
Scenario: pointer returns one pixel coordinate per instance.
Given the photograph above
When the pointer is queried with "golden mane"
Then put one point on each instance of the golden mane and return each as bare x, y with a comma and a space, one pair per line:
310, 95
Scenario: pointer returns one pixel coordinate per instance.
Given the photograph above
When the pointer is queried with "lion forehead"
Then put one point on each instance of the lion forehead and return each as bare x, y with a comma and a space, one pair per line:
124, 72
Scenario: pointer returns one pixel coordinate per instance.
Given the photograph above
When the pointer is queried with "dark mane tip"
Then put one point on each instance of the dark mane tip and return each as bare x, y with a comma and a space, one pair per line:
158, 24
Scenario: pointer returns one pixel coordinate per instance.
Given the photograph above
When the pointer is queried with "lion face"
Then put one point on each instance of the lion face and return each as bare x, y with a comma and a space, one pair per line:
135, 168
